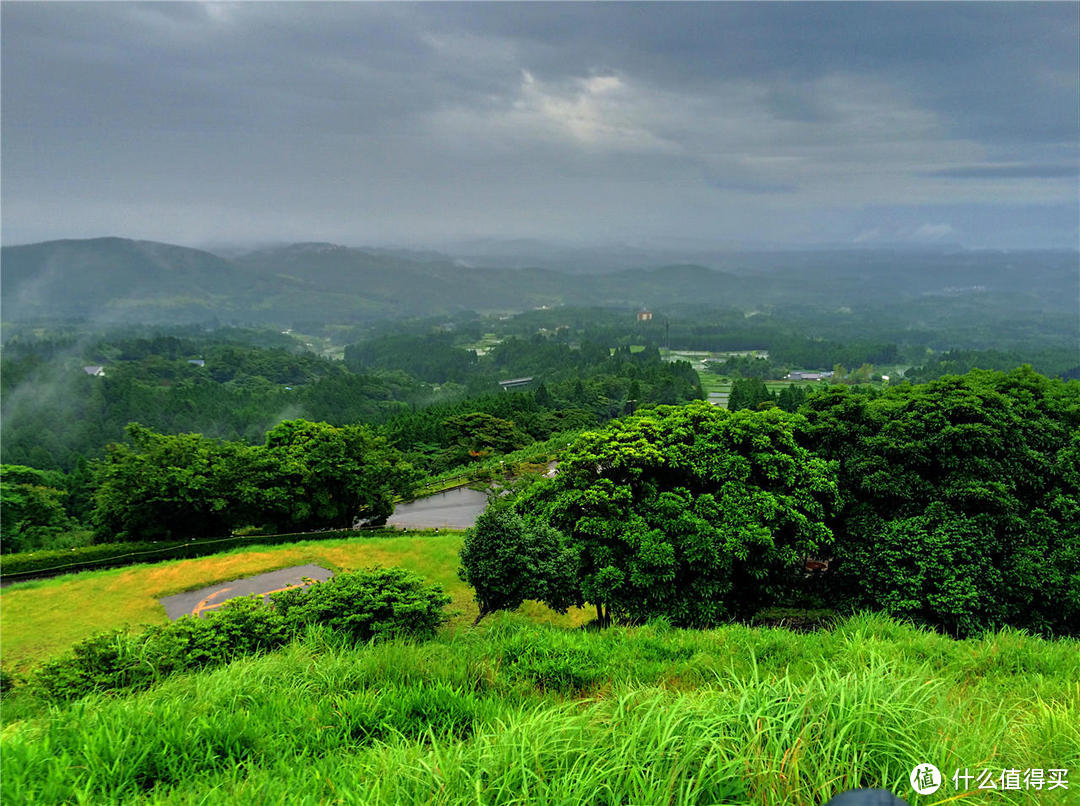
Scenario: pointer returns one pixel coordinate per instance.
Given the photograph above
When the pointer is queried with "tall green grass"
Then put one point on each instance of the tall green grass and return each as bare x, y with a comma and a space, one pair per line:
521, 713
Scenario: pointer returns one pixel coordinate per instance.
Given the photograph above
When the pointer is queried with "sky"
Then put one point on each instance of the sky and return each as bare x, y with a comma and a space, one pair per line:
656, 124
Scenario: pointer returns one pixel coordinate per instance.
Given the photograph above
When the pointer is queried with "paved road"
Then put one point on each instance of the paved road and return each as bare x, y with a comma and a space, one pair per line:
453, 509
202, 601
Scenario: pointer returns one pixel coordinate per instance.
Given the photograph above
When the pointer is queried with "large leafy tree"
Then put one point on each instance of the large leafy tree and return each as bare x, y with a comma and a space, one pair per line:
960, 499
330, 476
691, 513
307, 475
32, 507
159, 485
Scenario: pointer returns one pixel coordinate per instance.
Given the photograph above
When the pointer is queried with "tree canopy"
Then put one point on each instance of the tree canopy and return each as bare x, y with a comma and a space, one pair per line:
960, 499
691, 513
307, 475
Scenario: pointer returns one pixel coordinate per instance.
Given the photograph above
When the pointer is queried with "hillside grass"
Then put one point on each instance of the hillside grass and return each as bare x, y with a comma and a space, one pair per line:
519, 713
43, 618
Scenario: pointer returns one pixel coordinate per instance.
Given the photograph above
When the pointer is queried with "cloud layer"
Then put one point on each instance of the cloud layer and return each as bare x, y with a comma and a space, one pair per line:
375, 123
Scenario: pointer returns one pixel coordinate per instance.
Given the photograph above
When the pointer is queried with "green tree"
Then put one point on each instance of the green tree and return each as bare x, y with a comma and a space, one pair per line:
326, 476
162, 485
31, 507
307, 475
691, 513
749, 393
791, 398
506, 562
481, 434
960, 499
543, 397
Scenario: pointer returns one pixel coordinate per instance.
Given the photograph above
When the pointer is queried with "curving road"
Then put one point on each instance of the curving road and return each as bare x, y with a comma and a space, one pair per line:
452, 509
199, 602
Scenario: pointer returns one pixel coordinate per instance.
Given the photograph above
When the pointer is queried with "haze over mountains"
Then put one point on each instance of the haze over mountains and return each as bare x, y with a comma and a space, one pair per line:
121, 280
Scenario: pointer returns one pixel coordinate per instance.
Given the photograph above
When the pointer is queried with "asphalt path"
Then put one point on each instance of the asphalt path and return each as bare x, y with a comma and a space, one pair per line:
200, 602
452, 509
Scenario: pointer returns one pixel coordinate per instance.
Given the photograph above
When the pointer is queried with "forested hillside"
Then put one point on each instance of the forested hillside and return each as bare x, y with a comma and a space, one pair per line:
113, 280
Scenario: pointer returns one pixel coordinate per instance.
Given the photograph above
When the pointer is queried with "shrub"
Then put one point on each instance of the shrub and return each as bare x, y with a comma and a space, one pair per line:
375, 604
364, 605
506, 562
7, 681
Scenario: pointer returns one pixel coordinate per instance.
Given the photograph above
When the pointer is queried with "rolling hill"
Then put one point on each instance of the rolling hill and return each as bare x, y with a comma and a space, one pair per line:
116, 280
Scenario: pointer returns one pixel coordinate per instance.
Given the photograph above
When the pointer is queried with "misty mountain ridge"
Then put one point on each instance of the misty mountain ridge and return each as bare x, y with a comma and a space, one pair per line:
118, 279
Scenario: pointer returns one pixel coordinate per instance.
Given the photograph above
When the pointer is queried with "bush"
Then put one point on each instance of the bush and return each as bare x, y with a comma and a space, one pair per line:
506, 562
364, 605
7, 681
375, 604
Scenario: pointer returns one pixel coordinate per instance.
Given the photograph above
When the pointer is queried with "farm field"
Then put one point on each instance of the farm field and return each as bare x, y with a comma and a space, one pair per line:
484, 345
43, 618
717, 387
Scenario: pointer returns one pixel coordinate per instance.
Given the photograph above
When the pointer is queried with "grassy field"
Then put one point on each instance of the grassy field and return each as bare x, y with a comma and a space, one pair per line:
519, 713
45, 617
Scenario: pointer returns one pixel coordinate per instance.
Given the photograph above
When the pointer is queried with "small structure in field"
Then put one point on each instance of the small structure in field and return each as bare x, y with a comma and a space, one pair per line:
644, 316
515, 383
95, 370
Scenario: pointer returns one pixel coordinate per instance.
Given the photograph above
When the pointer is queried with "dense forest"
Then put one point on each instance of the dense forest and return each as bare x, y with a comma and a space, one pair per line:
954, 503
428, 389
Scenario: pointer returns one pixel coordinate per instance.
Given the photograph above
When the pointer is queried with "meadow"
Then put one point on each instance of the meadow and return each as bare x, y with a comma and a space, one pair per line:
43, 618
524, 713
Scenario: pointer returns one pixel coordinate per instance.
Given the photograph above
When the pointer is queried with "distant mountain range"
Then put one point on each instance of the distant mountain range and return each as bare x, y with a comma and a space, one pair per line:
121, 280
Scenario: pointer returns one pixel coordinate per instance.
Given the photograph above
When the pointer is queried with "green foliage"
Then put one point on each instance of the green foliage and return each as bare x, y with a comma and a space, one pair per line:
750, 393
32, 513
791, 397
691, 513
318, 475
961, 499
507, 561
373, 605
735, 715
308, 475
360, 606
432, 357
55, 414
959, 362
481, 434
748, 366
161, 485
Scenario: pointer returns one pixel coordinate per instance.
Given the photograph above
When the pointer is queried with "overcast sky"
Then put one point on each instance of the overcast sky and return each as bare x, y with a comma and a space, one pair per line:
650, 124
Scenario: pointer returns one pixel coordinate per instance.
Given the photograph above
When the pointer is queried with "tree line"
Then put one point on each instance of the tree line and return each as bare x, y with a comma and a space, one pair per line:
954, 503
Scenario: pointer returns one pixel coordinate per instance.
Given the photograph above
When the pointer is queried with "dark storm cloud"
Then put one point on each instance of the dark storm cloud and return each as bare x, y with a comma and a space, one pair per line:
414, 122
